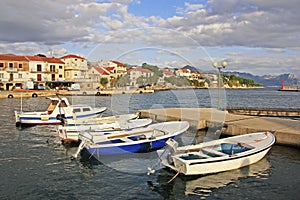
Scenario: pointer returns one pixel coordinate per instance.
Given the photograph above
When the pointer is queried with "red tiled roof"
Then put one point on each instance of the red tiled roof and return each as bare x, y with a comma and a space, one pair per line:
101, 70
29, 58
72, 56
118, 63
185, 70
110, 69
168, 73
44, 59
53, 60
140, 69
11, 57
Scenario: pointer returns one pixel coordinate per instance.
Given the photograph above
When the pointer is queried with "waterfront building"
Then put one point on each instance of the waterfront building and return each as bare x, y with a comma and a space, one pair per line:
116, 69
183, 72
43, 69
16, 70
75, 67
137, 72
95, 74
167, 73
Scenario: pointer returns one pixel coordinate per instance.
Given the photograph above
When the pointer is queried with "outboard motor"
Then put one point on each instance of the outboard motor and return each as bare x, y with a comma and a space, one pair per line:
168, 151
62, 118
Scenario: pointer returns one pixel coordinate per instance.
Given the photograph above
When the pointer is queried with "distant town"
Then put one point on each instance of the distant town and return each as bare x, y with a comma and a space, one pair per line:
74, 72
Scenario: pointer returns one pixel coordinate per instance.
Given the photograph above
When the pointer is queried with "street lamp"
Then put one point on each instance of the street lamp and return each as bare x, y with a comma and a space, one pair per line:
216, 65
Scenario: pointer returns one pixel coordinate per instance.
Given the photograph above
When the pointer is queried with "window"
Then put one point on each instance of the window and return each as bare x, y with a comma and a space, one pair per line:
10, 65
86, 109
39, 67
60, 76
20, 76
39, 77
1, 64
75, 110
52, 68
60, 67
20, 65
1, 75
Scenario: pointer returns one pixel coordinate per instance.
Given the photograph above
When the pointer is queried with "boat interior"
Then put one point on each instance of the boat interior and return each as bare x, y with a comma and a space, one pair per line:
224, 149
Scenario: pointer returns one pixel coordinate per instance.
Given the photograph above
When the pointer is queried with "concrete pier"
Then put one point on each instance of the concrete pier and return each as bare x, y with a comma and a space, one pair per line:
270, 112
286, 131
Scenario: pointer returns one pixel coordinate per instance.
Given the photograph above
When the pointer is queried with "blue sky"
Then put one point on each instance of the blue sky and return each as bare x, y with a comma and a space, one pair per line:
255, 36
148, 8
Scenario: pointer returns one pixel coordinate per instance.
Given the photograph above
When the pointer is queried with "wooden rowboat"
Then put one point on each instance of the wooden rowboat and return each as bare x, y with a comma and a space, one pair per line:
218, 155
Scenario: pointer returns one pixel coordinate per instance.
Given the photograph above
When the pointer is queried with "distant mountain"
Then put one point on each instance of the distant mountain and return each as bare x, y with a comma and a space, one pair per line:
268, 80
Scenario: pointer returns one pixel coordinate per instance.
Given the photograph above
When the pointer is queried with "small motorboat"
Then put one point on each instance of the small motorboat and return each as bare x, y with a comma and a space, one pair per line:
217, 155
70, 133
59, 111
139, 140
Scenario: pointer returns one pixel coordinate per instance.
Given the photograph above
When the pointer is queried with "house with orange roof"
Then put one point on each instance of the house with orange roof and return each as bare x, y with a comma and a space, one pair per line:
183, 72
195, 76
137, 72
167, 73
75, 67
45, 69
116, 69
15, 70
95, 74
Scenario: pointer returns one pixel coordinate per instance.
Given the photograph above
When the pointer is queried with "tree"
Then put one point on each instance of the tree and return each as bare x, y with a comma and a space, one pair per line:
153, 68
103, 81
178, 81
123, 81
40, 55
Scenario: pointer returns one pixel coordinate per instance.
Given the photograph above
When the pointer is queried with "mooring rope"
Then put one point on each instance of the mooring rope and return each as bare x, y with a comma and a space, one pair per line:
175, 175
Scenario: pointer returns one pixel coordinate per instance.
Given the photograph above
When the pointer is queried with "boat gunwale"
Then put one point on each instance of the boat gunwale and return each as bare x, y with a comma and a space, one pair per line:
226, 157
136, 142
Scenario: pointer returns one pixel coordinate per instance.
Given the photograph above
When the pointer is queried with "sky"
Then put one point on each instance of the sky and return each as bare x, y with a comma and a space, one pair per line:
261, 37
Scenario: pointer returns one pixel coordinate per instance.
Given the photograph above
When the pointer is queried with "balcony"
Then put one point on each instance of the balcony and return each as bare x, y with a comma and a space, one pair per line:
12, 70
72, 68
50, 71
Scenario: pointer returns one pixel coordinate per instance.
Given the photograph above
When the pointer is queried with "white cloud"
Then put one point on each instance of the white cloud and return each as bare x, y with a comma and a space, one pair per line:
43, 25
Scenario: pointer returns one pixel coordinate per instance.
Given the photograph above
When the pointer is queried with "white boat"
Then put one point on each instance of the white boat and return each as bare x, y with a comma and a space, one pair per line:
139, 140
100, 120
70, 133
59, 111
217, 155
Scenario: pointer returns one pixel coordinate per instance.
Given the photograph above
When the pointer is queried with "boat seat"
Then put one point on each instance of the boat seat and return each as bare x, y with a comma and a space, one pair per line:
202, 154
214, 152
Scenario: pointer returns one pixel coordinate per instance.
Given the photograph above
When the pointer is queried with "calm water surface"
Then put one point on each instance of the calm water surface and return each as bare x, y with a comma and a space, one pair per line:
35, 165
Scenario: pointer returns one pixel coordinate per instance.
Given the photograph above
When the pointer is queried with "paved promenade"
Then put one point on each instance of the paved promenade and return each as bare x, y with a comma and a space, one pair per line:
286, 131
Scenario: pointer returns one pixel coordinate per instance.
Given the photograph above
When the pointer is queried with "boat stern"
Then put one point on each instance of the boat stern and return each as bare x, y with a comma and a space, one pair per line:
17, 119
67, 136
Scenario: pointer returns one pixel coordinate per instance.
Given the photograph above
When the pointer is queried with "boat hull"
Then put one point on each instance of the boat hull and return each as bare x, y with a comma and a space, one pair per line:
217, 155
71, 133
47, 120
140, 140
220, 166
128, 148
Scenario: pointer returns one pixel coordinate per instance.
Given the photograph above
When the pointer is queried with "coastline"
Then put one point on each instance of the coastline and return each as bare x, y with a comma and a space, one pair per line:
19, 93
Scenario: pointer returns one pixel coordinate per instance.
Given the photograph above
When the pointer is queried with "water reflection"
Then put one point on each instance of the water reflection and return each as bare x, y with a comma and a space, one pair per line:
204, 185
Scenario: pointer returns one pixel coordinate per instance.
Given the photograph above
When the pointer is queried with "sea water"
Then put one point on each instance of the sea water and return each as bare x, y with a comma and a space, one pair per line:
35, 165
